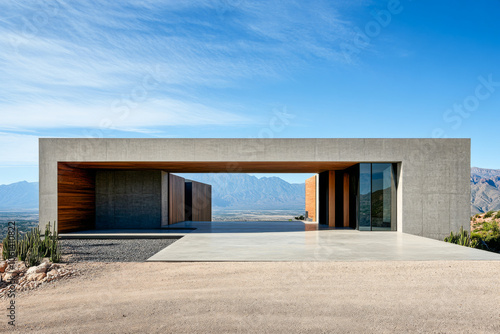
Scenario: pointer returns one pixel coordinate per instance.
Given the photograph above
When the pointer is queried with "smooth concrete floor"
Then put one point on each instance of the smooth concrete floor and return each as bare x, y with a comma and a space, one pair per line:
296, 241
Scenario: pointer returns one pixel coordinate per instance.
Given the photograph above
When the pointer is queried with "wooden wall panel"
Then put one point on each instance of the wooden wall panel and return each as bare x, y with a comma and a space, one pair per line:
75, 198
176, 199
201, 201
311, 197
346, 199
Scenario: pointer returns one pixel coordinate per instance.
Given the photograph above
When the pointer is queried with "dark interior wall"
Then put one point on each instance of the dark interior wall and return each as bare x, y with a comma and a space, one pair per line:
323, 184
353, 196
188, 215
339, 195
338, 198
332, 198
75, 198
128, 199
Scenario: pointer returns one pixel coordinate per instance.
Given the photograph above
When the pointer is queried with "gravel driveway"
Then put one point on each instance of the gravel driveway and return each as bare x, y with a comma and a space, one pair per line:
268, 297
112, 250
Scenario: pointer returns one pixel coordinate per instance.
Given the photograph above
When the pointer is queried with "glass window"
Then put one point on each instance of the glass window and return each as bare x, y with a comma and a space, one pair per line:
381, 196
364, 197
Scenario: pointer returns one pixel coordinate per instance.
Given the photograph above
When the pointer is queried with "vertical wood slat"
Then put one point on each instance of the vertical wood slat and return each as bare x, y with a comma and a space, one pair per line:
75, 198
201, 201
311, 197
176, 199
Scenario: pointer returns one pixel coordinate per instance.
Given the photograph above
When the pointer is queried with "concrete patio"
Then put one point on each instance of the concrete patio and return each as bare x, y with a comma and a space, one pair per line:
296, 241
288, 241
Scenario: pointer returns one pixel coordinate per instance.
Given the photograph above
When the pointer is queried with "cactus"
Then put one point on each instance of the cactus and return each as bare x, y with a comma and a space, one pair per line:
55, 250
6, 248
463, 239
55, 253
33, 257
46, 243
30, 247
22, 248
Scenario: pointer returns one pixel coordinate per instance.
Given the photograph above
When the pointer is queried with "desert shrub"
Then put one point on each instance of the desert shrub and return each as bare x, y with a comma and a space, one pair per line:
488, 214
489, 233
497, 216
477, 215
462, 238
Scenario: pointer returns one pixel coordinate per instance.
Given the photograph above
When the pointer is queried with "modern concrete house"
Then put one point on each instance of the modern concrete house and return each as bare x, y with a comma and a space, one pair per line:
415, 186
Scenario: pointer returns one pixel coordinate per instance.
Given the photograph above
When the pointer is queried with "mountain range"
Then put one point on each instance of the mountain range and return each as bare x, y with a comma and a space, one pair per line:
485, 190
19, 196
247, 192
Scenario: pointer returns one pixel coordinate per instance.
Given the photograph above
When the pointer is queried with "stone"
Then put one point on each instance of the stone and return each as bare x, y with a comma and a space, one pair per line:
42, 268
54, 266
10, 275
36, 277
3, 266
53, 272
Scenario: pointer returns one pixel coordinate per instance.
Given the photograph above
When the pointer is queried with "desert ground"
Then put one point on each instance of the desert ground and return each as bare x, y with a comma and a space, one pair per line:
280, 297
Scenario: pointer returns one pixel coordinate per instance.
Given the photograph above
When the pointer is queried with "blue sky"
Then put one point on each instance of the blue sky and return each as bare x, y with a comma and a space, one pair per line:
236, 68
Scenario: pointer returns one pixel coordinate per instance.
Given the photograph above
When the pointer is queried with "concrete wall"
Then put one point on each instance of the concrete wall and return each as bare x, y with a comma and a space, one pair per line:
128, 199
434, 188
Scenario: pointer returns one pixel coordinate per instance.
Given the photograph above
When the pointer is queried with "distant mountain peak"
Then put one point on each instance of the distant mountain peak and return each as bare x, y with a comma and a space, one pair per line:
485, 190
248, 192
19, 195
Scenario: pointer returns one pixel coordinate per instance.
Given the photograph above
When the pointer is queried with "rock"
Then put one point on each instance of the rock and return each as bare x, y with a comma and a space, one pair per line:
38, 269
10, 275
53, 272
53, 266
3, 266
36, 277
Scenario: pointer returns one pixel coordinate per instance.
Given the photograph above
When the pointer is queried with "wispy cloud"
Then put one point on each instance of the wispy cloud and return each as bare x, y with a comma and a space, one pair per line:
18, 149
65, 63
157, 112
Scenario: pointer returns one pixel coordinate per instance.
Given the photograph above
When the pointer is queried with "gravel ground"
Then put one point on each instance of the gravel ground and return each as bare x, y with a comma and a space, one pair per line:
112, 250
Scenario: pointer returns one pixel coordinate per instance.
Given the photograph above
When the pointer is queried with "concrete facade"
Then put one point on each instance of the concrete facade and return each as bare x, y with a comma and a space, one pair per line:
129, 199
433, 182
